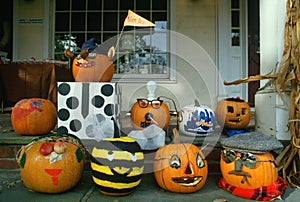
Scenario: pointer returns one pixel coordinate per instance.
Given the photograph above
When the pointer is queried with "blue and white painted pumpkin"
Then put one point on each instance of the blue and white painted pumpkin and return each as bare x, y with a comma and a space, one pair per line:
117, 165
196, 119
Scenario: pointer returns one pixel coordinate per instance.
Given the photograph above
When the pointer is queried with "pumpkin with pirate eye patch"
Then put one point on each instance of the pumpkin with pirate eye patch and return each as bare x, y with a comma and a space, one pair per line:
180, 167
233, 113
117, 164
248, 171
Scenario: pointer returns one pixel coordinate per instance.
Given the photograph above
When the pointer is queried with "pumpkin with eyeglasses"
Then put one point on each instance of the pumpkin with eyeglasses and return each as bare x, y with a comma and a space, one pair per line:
145, 112
247, 170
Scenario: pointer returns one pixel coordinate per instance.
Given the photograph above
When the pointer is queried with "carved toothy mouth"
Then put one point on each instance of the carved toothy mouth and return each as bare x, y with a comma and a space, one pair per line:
187, 181
236, 120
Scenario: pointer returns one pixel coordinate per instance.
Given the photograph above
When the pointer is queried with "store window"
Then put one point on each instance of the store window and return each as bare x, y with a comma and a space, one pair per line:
141, 52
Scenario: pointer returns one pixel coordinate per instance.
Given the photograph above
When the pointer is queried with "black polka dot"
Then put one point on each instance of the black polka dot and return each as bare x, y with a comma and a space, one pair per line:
75, 125
62, 130
107, 89
64, 89
72, 102
98, 101
109, 109
63, 114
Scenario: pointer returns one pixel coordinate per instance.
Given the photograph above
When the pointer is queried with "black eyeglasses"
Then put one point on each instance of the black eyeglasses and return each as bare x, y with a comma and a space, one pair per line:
143, 103
247, 159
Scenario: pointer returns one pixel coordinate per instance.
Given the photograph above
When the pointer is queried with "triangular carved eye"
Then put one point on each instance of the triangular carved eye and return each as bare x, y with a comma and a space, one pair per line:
175, 161
200, 161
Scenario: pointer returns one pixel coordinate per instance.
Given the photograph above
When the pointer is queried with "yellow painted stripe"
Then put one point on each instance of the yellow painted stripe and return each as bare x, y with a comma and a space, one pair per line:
105, 169
121, 139
117, 155
116, 185
101, 169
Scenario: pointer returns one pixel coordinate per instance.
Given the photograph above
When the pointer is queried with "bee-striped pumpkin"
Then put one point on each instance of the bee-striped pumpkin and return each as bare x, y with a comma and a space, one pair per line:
117, 165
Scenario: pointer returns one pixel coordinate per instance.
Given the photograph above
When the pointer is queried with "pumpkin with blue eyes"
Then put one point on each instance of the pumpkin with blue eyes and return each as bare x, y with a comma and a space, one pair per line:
117, 165
180, 167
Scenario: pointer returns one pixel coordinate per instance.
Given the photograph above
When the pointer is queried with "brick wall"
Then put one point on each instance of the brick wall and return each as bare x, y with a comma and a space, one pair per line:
8, 156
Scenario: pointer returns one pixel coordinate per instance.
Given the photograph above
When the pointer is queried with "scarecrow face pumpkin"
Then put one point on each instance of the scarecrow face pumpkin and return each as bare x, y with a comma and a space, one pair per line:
117, 165
93, 68
246, 170
145, 112
233, 113
34, 116
180, 168
51, 165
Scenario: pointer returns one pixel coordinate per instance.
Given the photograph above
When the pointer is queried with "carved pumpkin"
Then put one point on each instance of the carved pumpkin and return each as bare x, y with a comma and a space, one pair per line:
97, 68
117, 164
145, 112
180, 167
233, 113
51, 163
34, 116
246, 170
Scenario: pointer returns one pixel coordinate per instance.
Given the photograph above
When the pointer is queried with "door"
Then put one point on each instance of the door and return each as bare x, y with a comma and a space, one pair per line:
232, 47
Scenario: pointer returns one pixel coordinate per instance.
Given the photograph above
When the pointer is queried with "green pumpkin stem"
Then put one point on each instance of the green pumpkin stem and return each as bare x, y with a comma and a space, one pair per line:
176, 136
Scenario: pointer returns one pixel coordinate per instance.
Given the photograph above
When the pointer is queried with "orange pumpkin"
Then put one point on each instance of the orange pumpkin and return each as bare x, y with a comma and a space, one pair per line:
146, 112
34, 116
101, 69
248, 172
180, 167
233, 113
51, 163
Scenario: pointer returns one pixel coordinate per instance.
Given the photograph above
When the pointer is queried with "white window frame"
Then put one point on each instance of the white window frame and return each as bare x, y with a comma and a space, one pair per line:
137, 77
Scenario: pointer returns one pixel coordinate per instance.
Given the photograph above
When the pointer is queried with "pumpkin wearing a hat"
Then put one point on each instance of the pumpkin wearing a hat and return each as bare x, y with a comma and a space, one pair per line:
247, 165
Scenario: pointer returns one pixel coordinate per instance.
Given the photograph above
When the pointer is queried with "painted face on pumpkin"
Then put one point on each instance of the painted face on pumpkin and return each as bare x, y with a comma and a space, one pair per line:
145, 112
247, 169
180, 168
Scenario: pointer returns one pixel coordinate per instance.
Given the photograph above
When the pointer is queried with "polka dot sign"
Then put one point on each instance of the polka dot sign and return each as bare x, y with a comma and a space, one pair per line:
85, 108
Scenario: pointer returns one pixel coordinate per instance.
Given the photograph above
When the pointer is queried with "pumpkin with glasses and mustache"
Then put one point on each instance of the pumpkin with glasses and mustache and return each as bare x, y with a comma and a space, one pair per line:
247, 170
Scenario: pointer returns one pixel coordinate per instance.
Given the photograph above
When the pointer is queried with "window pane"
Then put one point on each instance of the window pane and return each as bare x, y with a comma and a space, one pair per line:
110, 4
161, 16
126, 5
62, 5
235, 4
96, 36
94, 21
78, 5
159, 4
94, 4
235, 37
110, 21
235, 18
143, 5
78, 21
62, 22
80, 39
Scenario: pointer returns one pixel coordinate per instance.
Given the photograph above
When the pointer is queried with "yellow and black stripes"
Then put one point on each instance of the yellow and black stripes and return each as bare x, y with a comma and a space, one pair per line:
117, 165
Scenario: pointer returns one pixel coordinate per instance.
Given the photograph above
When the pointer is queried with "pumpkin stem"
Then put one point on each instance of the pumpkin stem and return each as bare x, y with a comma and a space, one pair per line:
117, 132
196, 101
176, 136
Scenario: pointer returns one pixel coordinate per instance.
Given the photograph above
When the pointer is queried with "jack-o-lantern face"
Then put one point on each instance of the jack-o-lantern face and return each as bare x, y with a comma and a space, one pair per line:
233, 113
146, 112
51, 165
94, 68
246, 170
180, 168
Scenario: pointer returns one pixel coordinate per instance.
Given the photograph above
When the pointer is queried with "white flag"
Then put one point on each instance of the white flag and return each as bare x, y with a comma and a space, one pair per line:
134, 19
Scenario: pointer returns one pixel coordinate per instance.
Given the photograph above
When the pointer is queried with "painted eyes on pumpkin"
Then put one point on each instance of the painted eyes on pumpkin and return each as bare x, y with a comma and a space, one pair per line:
200, 161
133, 157
175, 161
110, 156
